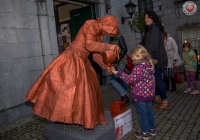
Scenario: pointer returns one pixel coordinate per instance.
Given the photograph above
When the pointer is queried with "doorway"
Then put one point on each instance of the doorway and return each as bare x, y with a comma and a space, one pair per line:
70, 15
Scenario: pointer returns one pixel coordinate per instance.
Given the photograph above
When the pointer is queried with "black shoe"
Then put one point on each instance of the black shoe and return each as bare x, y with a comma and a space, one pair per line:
173, 84
173, 89
166, 79
125, 98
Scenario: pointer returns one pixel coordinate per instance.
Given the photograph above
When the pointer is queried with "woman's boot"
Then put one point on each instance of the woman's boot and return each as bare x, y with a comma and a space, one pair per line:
166, 79
173, 84
125, 98
164, 105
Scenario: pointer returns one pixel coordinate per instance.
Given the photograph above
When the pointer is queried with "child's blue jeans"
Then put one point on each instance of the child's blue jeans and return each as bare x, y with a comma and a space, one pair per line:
146, 116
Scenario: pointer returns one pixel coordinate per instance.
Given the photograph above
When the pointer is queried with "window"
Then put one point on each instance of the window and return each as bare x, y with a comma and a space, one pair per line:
145, 5
193, 36
178, 0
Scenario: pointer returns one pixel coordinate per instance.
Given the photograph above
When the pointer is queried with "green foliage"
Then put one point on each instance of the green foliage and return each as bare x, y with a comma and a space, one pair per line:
137, 23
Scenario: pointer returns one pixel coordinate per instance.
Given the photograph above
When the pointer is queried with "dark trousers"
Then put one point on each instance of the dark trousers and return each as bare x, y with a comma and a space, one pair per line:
160, 85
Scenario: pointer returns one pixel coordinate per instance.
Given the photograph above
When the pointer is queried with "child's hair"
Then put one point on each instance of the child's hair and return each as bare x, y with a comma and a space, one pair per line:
139, 50
187, 44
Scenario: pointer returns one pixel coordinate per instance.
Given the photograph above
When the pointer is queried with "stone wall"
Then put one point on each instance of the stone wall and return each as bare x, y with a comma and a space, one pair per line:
174, 18
118, 9
171, 14
28, 43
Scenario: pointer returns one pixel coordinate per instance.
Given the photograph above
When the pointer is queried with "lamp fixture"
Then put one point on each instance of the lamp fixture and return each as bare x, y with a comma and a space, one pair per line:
130, 9
107, 5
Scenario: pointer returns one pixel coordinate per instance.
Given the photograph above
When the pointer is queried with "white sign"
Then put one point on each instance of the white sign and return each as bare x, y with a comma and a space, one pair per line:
189, 8
123, 124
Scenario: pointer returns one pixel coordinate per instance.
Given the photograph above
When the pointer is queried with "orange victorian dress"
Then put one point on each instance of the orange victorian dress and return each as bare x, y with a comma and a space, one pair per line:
68, 90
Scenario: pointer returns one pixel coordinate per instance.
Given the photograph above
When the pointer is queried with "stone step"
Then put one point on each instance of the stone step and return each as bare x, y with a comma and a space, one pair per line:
61, 131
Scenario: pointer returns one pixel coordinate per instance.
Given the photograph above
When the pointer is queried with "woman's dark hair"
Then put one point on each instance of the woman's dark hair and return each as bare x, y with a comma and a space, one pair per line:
112, 38
155, 19
187, 44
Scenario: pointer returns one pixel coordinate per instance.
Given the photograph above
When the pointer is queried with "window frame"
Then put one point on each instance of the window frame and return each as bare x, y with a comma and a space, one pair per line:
195, 42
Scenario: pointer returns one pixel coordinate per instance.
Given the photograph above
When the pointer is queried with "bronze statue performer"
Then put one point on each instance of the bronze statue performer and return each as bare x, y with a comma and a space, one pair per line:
68, 90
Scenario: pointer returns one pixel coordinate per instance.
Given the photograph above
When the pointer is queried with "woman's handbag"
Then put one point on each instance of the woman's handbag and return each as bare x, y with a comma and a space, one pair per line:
129, 64
177, 77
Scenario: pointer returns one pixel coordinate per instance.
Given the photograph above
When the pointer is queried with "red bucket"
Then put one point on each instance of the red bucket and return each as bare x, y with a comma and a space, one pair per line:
117, 108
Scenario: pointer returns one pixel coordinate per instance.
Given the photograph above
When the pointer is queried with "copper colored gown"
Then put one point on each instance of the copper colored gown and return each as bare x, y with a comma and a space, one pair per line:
68, 90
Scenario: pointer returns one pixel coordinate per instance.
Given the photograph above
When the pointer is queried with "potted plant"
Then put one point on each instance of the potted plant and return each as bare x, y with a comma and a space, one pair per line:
137, 24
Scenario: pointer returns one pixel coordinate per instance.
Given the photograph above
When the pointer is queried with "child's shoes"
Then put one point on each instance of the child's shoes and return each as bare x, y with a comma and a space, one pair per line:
188, 90
195, 92
152, 132
144, 136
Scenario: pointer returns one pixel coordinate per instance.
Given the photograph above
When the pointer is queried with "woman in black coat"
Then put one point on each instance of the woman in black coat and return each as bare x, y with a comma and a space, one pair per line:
153, 41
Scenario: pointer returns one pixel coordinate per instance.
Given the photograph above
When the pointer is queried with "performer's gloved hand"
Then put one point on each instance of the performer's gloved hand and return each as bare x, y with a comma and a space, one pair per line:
113, 47
98, 59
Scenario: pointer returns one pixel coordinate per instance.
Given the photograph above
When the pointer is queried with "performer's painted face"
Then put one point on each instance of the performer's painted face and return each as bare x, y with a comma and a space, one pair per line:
109, 30
110, 25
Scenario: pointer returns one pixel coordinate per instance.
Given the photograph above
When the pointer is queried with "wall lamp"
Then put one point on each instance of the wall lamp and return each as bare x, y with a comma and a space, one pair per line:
130, 9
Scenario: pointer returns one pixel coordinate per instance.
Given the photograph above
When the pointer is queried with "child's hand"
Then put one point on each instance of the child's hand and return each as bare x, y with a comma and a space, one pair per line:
113, 70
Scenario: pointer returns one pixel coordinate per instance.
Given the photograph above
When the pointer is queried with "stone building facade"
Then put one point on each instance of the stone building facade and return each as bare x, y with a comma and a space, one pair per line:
179, 25
28, 41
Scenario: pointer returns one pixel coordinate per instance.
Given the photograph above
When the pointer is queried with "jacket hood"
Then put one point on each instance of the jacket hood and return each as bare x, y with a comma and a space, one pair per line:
147, 65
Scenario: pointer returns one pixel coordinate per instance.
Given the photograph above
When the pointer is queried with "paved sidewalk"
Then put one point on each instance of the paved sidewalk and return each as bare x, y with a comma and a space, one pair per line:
181, 122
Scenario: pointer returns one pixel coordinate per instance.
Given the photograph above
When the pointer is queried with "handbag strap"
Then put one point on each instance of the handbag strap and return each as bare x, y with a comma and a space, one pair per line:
117, 55
174, 68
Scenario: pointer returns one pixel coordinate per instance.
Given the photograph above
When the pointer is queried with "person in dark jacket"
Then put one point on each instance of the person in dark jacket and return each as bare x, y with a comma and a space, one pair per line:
153, 41
118, 83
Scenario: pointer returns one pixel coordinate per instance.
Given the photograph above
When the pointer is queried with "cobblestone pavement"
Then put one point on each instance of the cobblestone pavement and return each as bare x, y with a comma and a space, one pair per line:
181, 122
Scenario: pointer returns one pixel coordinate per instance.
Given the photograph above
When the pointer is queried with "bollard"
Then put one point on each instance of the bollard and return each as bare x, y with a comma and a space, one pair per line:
197, 73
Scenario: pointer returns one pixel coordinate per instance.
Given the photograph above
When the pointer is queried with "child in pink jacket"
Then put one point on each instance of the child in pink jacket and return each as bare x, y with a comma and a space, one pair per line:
142, 82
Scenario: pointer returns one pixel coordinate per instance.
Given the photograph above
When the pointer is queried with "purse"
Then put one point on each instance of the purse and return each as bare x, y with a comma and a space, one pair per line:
129, 64
177, 77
